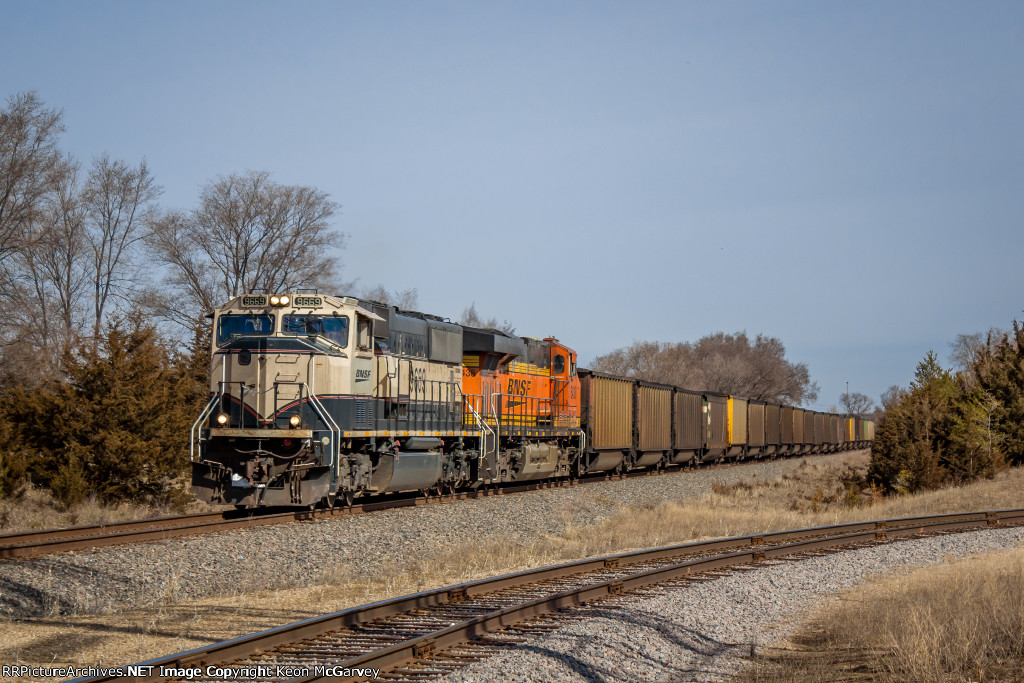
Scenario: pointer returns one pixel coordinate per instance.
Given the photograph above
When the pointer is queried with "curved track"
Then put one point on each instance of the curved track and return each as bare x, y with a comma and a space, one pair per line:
424, 635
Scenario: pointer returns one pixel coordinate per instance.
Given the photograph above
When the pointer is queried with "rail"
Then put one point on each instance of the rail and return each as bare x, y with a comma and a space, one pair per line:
48, 541
471, 610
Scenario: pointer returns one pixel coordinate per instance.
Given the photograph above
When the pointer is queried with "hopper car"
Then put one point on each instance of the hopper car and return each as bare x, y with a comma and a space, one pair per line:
320, 400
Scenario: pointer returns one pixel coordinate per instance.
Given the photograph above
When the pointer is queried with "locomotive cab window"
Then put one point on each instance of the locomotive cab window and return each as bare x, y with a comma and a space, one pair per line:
334, 329
246, 325
558, 366
364, 340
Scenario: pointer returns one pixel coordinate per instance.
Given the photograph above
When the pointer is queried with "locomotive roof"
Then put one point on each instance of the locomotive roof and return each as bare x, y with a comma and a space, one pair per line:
485, 340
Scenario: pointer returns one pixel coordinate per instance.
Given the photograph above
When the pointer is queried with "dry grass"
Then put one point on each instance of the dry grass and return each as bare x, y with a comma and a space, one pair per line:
962, 621
815, 492
36, 509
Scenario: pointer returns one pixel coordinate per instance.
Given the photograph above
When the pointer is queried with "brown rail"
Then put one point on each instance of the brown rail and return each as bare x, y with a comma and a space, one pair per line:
44, 542
597, 578
48, 541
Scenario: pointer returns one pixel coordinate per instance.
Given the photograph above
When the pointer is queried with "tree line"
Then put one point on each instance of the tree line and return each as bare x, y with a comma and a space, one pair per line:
83, 247
951, 427
104, 344
103, 340
724, 363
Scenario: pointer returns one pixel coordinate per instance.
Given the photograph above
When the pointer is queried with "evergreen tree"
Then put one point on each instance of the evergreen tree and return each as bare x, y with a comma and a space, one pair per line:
1000, 375
972, 446
118, 427
905, 455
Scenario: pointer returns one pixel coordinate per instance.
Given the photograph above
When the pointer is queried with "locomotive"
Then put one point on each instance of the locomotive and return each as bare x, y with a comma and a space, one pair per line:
318, 400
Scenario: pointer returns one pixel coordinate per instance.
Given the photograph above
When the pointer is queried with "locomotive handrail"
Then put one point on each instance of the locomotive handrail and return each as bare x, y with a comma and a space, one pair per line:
497, 422
481, 423
314, 401
192, 434
524, 411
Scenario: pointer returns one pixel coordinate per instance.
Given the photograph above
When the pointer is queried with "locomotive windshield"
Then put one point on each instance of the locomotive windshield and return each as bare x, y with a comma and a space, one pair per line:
245, 325
335, 329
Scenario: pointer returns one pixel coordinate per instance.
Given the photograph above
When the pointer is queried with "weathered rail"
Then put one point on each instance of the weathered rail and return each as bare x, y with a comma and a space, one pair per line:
47, 541
32, 543
393, 634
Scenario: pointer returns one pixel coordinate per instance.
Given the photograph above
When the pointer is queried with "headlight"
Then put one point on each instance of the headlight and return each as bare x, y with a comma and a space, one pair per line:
284, 299
275, 300
222, 419
294, 420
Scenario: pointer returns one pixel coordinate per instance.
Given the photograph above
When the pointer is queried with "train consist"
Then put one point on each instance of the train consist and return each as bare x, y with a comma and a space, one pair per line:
319, 399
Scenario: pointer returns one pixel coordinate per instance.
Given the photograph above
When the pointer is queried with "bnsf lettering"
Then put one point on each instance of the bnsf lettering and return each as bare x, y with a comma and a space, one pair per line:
363, 374
519, 387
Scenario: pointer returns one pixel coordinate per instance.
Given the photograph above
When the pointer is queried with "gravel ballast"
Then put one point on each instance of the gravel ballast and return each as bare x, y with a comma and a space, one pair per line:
228, 563
703, 631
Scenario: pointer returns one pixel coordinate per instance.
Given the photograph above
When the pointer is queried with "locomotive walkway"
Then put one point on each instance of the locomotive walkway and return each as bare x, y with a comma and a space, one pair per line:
433, 633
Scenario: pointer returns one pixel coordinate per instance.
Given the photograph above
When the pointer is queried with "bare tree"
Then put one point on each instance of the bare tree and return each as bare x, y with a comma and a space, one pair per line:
892, 396
118, 201
856, 404
405, 299
471, 318
972, 353
727, 363
52, 273
247, 233
28, 160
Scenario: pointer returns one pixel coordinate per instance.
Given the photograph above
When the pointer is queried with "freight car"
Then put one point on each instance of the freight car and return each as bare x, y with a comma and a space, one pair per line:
318, 399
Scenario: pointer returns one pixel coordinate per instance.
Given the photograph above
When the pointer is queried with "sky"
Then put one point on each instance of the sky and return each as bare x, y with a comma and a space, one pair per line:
845, 176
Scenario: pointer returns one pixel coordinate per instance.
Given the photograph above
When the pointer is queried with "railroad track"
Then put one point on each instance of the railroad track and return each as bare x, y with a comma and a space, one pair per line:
429, 634
45, 542
33, 543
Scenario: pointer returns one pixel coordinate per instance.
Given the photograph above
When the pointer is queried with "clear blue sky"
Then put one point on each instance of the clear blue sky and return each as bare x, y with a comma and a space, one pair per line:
847, 177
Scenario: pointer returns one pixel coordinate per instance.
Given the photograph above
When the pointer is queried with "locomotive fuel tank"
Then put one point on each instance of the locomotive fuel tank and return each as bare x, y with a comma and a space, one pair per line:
536, 461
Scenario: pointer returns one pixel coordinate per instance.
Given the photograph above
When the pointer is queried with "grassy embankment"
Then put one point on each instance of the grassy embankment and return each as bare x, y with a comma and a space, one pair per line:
819, 491
35, 509
962, 621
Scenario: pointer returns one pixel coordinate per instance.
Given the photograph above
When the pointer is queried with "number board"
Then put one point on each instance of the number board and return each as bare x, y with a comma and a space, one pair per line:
308, 301
254, 301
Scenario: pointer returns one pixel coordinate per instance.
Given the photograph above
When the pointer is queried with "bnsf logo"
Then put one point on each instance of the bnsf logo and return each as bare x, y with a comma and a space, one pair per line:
519, 387
363, 375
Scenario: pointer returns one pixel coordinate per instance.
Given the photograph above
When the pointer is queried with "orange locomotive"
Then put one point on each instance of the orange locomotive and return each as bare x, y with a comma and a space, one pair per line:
523, 395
